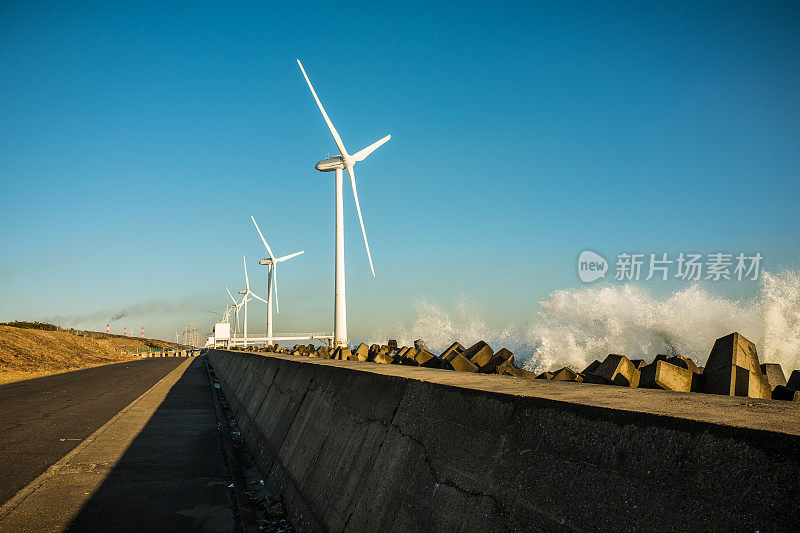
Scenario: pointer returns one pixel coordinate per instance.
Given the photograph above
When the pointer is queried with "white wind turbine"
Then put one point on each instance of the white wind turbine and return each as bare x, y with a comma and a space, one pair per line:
338, 163
226, 316
236, 305
272, 278
247, 292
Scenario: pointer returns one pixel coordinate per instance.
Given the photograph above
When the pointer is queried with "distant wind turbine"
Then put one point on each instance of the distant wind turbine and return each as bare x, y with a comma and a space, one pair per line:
236, 305
272, 278
247, 292
337, 163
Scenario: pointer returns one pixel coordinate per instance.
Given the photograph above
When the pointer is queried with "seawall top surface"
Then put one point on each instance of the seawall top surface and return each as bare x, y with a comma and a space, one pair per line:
734, 411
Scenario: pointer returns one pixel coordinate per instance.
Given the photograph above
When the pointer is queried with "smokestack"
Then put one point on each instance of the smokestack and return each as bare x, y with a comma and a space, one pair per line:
125, 330
142, 331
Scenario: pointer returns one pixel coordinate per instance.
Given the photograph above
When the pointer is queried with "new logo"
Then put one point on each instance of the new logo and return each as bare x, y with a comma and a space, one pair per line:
591, 266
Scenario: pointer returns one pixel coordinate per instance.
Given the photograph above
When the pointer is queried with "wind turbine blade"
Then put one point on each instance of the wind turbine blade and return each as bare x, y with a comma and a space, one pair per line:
231, 295
362, 154
352, 174
246, 279
287, 257
257, 297
275, 284
269, 251
336, 138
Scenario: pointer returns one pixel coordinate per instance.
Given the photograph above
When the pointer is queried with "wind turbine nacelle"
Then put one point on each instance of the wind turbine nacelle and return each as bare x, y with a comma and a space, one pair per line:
333, 163
265, 262
242, 292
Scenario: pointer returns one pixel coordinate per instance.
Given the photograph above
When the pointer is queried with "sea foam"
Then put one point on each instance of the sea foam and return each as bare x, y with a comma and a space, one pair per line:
576, 326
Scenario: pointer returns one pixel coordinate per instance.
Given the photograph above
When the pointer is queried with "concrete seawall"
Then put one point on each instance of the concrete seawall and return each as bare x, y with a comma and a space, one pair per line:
365, 447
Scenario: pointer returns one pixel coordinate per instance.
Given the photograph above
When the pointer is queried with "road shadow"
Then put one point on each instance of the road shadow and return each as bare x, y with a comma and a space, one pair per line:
172, 477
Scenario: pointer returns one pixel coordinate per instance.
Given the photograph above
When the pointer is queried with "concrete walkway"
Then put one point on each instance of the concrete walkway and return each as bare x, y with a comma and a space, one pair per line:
156, 466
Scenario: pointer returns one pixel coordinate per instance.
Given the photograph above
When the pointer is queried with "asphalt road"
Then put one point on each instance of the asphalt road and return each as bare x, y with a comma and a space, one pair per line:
42, 419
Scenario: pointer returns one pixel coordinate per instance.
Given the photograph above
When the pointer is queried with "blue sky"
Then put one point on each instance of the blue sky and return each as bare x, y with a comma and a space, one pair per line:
138, 139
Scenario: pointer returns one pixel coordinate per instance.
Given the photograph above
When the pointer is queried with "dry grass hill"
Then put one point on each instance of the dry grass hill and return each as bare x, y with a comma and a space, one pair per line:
29, 350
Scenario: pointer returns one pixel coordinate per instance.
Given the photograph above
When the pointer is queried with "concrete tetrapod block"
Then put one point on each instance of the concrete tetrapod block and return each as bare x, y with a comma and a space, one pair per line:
565, 374
445, 365
619, 370
591, 377
501, 368
638, 363
392, 344
482, 357
519, 373
362, 352
754, 385
384, 358
794, 380
498, 358
462, 364
730, 350
782, 392
453, 350
402, 352
427, 359
505, 366
666, 376
684, 362
470, 352
545, 375
343, 353
592, 367
419, 344
507, 355
774, 374
733, 369
373, 351
408, 358
736, 381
